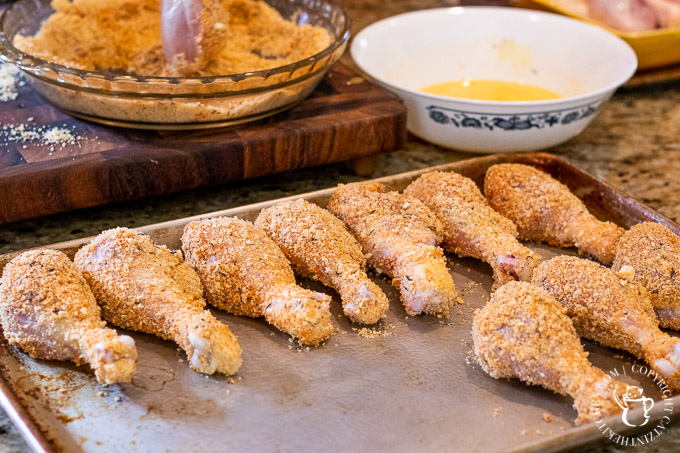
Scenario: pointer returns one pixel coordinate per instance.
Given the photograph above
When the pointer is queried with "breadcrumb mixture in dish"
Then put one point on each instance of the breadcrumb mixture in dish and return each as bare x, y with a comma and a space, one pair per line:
125, 36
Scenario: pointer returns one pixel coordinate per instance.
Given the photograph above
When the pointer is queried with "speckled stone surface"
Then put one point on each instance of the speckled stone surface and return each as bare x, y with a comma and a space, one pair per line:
634, 144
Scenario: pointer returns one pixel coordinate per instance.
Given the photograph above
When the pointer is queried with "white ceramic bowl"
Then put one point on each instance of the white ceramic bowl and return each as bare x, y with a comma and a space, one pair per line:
583, 63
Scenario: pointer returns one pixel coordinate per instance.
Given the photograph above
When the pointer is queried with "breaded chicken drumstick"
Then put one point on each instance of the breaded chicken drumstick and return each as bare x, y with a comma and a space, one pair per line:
524, 333
472, 228
399, 235
650, 252
545, 210
48, 310
245, 273
612, 311
141, 286
319, 246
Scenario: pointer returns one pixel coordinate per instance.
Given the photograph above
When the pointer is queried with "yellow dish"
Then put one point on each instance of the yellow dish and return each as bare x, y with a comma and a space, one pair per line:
654, 48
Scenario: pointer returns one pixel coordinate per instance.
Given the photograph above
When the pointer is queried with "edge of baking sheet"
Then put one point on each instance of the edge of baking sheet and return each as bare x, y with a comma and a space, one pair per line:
473, 168
29, 431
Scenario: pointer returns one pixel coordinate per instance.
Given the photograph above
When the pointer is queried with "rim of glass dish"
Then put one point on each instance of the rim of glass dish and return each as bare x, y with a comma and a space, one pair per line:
84, 73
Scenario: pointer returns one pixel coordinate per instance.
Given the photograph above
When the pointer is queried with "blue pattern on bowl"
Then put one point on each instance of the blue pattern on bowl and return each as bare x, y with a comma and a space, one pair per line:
511, 121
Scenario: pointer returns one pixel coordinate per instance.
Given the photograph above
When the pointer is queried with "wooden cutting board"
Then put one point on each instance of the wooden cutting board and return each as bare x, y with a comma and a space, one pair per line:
346, 118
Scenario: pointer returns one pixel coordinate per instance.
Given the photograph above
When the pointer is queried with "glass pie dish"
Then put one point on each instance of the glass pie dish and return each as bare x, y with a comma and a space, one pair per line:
175, 102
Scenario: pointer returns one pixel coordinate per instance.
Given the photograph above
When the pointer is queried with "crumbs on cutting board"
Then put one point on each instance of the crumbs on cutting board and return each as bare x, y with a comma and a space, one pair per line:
10, 80
54, 138
29, 134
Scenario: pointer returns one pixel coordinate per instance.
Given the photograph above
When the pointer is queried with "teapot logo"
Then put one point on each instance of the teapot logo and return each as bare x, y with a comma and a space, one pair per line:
633, 394
631, 400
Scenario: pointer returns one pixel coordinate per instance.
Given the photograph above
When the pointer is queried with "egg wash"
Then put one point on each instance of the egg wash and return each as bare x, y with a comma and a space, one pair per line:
491, 90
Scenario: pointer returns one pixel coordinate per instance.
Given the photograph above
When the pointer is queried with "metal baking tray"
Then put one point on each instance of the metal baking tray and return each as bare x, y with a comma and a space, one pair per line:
414, 388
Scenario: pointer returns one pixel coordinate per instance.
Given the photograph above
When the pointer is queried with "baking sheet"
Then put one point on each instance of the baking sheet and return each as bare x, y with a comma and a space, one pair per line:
413, 387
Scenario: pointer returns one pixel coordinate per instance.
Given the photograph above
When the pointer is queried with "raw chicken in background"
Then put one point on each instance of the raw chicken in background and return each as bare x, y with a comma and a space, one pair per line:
627, 15
667, 12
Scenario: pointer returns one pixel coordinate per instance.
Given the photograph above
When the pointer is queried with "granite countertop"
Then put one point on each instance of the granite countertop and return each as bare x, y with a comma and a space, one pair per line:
633, 144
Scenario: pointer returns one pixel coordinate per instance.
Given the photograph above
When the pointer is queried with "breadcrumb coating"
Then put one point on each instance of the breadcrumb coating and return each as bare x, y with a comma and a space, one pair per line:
49, 311
244, 272
545, 210
399, 235
524, 333
319, 246
612, 311
652, 251
472, 228
145, 287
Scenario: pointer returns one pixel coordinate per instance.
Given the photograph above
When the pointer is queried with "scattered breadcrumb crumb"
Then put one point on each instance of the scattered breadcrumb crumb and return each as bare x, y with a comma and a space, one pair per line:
470, 286
118, 399
524, 432
54, 138
57, 135
380, 331
627, 272
547, 417
497, 412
